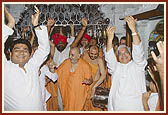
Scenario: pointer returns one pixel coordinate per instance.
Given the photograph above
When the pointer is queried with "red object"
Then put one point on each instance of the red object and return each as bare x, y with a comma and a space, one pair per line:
59, 38
86, 36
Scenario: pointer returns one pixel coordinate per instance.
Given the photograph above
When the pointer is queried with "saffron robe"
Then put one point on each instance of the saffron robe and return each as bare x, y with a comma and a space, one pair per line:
73, 92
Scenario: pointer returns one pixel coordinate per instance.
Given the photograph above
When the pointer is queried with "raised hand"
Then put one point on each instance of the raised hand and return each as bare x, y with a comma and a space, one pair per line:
110, 36
159, 60
131, 23
10, 19
35, 17
84, 22
110, 32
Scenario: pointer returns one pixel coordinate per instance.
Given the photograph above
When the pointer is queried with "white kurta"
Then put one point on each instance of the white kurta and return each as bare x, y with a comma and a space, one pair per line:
59, 57
44, 71
128, 81
22, 91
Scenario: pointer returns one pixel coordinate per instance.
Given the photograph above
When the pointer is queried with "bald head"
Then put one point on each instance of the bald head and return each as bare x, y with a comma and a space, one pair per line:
93, 52
93, 47
75, 49
74, 55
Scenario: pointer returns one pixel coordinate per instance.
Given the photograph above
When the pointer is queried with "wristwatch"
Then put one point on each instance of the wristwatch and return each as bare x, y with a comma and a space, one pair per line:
134, 33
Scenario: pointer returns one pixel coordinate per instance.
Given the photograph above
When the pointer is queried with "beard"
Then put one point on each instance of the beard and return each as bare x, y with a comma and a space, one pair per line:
60, 48
93, 57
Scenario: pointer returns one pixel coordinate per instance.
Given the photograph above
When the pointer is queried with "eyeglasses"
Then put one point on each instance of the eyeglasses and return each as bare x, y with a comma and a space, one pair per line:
123, 53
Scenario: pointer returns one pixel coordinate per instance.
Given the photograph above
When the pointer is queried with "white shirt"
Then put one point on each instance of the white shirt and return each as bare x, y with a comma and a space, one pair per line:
152, 102
53, 76
22, 90
128, 81
59, 57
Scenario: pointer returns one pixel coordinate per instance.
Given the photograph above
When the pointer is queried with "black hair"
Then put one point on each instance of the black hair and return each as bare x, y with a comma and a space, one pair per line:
123, 38
7, 45
94, 39
21, 41
115, 40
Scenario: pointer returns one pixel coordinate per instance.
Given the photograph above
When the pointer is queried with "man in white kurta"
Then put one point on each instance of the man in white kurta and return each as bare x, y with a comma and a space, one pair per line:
22, 90
128, 78
59, 57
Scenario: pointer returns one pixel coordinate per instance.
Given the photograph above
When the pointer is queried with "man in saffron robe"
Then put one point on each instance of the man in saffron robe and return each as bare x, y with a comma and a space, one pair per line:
74, 78
98, 73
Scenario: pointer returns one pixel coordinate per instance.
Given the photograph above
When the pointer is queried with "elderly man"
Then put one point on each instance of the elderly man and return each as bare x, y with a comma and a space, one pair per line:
128, 76
74, 76
61, 53
98, 71
22, 90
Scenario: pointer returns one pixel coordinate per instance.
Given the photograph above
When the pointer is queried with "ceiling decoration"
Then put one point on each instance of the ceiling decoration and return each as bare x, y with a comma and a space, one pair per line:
64, 14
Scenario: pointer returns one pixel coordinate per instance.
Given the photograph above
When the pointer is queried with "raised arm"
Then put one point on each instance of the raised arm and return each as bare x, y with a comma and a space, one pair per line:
110, 36
79, 36
43, 50
72, 30
110, 56
132, 25
10, 19
11, 22
50, 25
35, 18
52, 49
137, 52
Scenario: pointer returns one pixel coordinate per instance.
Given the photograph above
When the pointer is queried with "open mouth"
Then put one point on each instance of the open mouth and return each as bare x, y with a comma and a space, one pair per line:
20, 57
